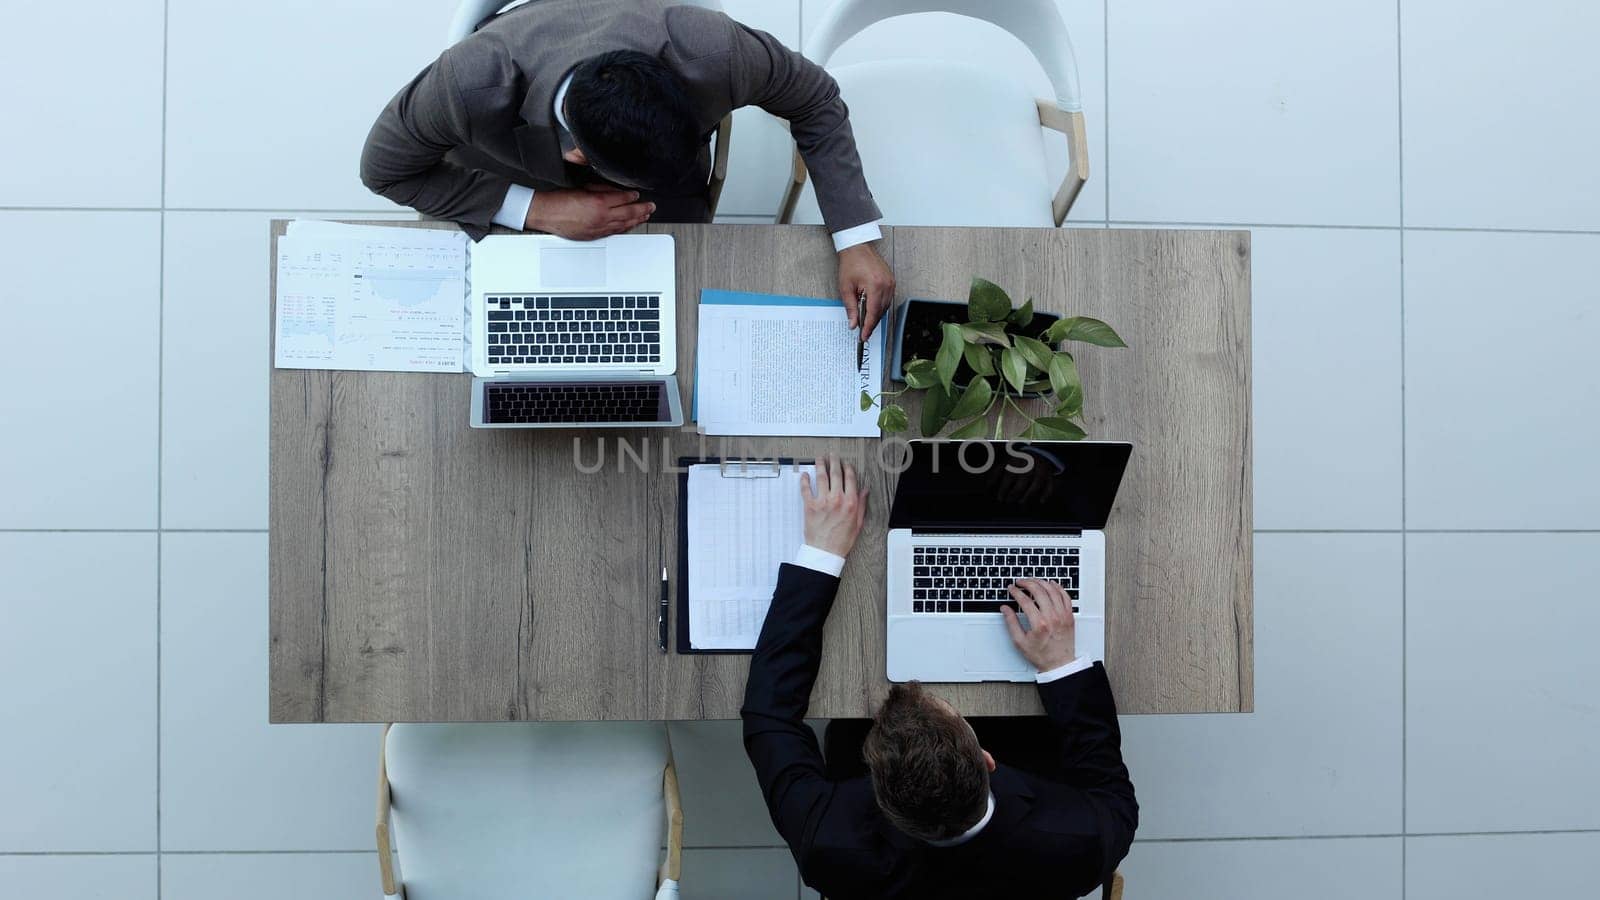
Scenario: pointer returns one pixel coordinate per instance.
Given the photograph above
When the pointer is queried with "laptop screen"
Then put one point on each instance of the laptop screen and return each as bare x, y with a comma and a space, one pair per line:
1038, 486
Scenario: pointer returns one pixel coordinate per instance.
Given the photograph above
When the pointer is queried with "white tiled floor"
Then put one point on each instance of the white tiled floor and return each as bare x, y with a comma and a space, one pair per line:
1417, 176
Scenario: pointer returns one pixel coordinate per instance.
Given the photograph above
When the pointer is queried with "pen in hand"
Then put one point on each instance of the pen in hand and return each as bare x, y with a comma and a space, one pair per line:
861, 329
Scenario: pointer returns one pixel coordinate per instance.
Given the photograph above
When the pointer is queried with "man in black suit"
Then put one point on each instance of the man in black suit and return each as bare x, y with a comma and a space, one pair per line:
933, 814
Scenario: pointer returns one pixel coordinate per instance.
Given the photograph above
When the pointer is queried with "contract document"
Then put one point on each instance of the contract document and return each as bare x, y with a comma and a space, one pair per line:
773, 365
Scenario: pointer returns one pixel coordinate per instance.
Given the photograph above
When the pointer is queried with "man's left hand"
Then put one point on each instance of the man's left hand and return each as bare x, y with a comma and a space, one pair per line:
862, 269
835, 508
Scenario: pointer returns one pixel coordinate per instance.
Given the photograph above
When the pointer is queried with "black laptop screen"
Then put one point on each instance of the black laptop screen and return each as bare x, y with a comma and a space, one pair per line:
1009, 485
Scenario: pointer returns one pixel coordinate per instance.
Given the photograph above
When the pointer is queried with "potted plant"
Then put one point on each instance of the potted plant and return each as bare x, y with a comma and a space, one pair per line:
919, 331
1005, 358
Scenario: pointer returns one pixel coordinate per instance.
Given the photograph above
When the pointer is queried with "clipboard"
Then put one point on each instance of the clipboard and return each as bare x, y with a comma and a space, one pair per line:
731, 468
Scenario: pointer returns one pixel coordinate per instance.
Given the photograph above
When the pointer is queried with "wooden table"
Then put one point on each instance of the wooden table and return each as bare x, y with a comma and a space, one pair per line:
425, 571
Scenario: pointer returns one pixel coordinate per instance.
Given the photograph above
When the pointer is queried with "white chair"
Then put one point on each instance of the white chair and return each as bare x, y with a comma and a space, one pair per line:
471, 13
950, 143
529, 810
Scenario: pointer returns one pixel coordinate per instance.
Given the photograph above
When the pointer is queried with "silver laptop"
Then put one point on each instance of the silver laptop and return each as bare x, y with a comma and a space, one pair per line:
969, 519
568, 334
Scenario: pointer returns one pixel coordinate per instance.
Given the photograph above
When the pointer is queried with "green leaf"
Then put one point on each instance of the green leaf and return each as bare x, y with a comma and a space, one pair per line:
1035, 352
1064, 374
1054, 428
979, 359
949, 356
1021, 317
972, 429
1014, 367
986, 302
935, 410
1084, 329
987, 333
1069, 403
866, 401
893, 418
920, 374
1038, 385
974, 400
1057, 331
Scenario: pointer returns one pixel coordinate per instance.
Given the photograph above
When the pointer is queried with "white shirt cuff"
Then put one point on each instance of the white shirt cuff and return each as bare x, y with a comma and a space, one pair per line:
513, 212
1071, 668
819, 560
844, 240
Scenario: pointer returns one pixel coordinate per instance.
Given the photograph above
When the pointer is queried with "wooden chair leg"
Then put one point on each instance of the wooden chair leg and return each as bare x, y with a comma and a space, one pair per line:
791, 197
391, 887
1113, 887
719, 162
1070, 124
672, 867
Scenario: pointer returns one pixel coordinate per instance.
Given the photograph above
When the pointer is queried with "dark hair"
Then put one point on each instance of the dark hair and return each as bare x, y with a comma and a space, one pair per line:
928, 772
633, 119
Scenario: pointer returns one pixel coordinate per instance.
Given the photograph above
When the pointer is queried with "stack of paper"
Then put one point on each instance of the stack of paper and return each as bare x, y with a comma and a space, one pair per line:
743, 524
771, 365
370, 297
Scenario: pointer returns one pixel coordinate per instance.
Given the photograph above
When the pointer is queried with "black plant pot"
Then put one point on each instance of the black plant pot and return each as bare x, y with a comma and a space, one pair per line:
918, 333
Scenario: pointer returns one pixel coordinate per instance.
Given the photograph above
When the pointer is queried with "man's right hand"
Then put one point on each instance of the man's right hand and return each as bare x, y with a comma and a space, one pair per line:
587, 213
1049, 641
835, 509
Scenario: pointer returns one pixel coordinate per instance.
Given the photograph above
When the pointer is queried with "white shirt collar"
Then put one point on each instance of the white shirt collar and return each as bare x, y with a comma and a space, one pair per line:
970, 833
561, 96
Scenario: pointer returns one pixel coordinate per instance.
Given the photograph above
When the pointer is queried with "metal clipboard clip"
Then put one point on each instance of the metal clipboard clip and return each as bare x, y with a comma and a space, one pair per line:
741, 468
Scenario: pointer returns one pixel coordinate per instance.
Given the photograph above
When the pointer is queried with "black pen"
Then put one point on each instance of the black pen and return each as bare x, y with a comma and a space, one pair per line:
861, 327
661, 614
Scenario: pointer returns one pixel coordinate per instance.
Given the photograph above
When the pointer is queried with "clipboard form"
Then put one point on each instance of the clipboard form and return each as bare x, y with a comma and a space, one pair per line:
741, 509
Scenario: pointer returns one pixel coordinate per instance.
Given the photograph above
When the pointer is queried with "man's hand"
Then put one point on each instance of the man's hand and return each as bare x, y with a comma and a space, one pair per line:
835, 508
586, 213
1048, 642
862, 269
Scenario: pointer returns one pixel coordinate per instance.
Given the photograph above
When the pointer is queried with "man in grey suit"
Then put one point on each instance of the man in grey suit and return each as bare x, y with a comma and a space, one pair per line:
585, 118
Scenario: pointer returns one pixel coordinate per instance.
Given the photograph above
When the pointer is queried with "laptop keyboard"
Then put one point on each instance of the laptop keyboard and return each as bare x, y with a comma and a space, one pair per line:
575, 404
547, 329
975, 579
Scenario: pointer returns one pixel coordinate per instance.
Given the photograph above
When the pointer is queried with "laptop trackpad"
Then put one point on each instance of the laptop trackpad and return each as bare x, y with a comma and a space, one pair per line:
988, 649
572, 267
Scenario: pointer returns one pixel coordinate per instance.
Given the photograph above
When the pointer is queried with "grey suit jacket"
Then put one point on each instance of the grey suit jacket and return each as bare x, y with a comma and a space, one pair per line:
480, 117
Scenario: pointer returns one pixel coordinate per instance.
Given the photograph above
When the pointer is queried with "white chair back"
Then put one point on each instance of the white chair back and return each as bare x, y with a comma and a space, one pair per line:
528, 810
1037, 23
472, 12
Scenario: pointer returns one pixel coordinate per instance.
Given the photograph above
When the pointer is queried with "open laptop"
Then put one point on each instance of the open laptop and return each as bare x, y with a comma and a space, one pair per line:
962, 529
574, 334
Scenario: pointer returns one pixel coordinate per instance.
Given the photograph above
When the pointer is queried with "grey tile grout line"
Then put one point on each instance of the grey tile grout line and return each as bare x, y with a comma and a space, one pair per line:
1352, 837
211, 209
1451, 229
1226, 839
133, 531
1105, 99
1405, 574
1153, 223
1256, 530
161, 399
186, 852
1427, 530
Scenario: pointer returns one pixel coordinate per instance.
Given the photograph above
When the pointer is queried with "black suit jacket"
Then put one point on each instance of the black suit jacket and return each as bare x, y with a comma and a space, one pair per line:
1057, 838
